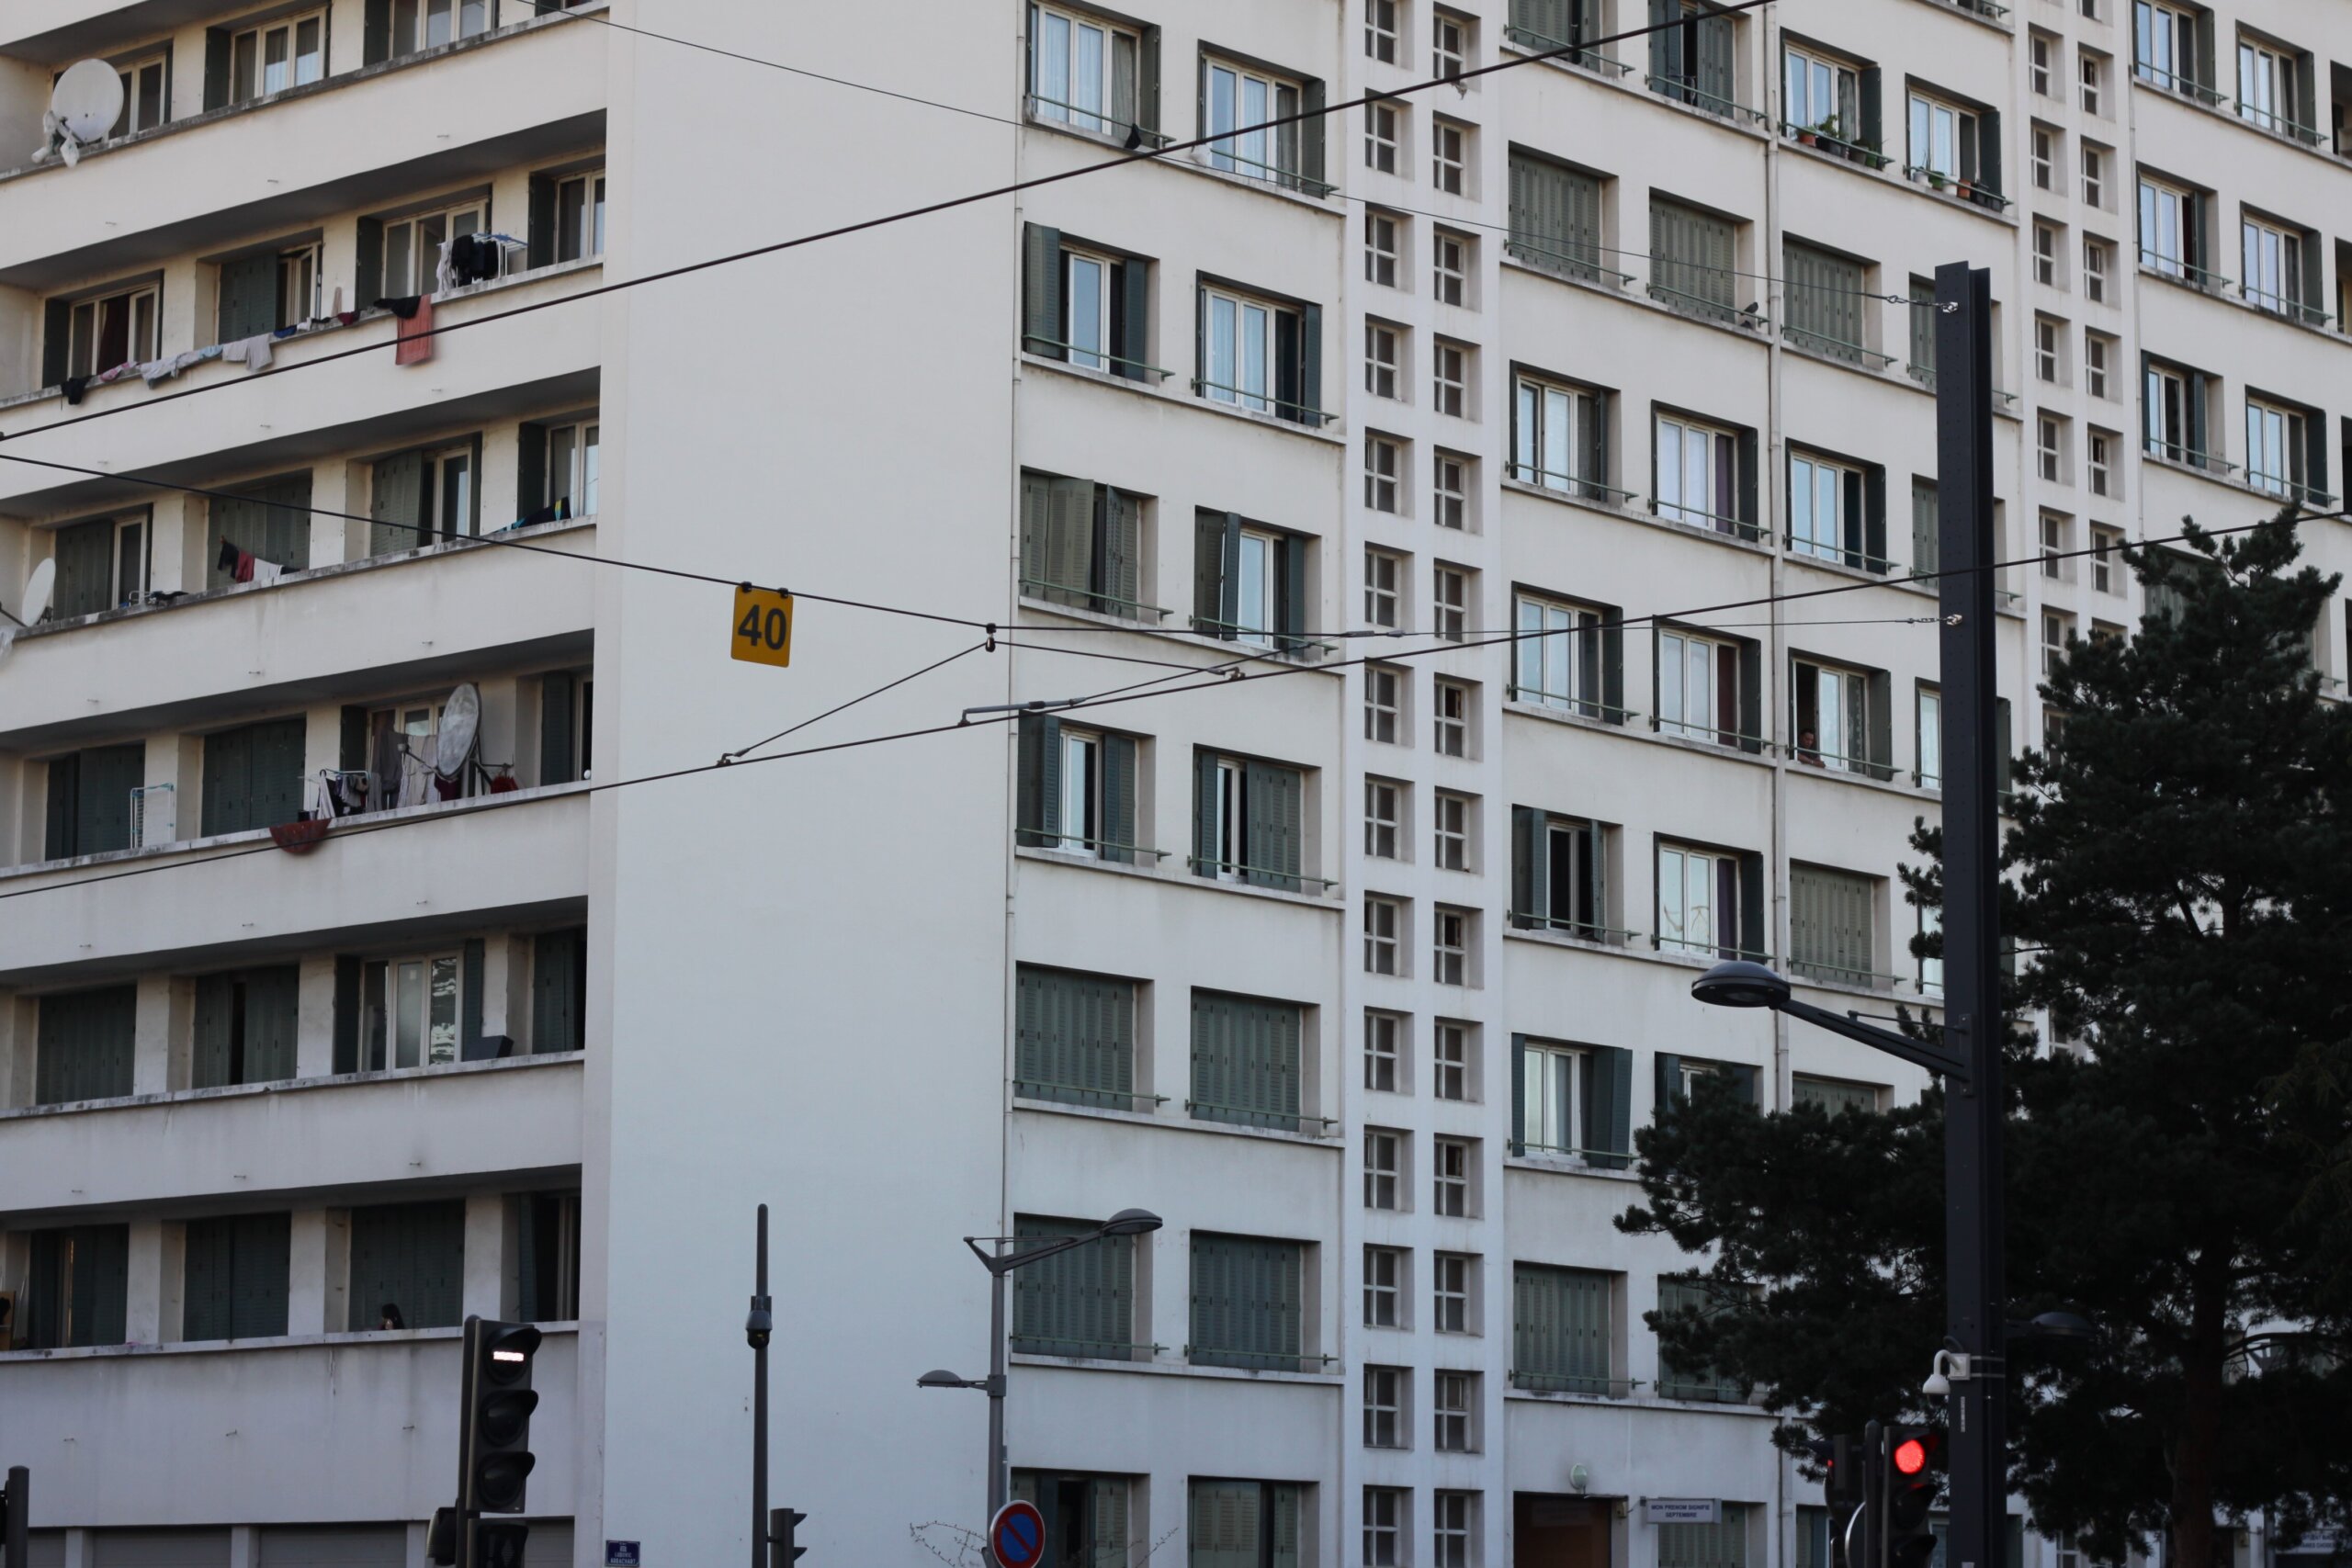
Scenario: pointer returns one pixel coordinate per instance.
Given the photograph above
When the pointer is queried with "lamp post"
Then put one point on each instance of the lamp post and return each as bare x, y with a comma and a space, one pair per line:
759, 1327
1000, 1259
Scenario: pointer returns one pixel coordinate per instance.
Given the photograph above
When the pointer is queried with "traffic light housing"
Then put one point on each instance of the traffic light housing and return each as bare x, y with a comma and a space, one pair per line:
781, 1551
1912, 1470
494, 1459
1841, 1489
16, 1518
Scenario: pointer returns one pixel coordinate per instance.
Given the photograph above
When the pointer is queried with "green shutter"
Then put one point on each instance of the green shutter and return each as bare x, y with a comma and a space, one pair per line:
397, 504
556, 742
1038, 802
1563, 1340
1607, 1106
1119, 575
89, 800
1132, 324
1245, 1061
1216, 539
56, 341
1830, 925
84, 556
1246, 1302
207, 1279
236, 1277
86, 1044
1275, 825
1311, 334
271, 520
253, 776
1667, 1069
531, 469
1036, 531
1715, 64
1079, 1302
368, 281
1519, 1094
1205, 814
376, 33
347, 1013
1531, 869
559, 991
101, 1284
62, 830
474, 957
211, 1063
216, 68
1118, 800
1069, 541
411, 1256
1074, 1038
1824, 306
1294, 593
541, 235
1041, 291
1833, 1095
248, 297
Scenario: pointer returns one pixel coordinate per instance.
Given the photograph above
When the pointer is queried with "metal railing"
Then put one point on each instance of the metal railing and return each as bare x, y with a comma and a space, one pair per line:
1215, 869
1572, 1382
1225, 159
2289, 488
1106, 124
1836, 555
1699, 517
1965, 190
1840, 763
1702, 306
1836, 348
1661, 943
1276, 644
1837, 146
1568, 484
1560, 702
2174, 82
1258, 1361
1708, 1391
1254, 1116
1059, 840
2187, 456
1711, 734
1582, 930
1104, 355
1093, 601
1090, 1349
1263, 403
2186, 272
1682, 90
2270, 302
2279, 124
1604, 1159
1562, 263
1843, 974
1054, 1092
1586, 59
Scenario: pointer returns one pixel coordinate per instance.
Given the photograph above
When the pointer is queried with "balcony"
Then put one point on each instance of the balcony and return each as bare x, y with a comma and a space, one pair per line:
1976, 193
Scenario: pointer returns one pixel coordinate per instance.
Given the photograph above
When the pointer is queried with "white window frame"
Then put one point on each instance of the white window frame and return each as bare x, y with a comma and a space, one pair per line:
1383, 473
2039, 50
1548, 436
2049, 447
1551, 1086
253, 74
2166, 399
1258, 608
2102, 464
1806, 529
1689, 458
2047, 239
1242, 333
2164, 46
1382, 34
2271, 257
2046, 355
2056, 529
1451, 491
1683, 925
1680, 654
1552, 649
1384, 236
2275, 448
1383, 571
2104, 552
2055, 625
418, 243
583, 239
301, 284
1387, 1425
1449, 156
2090, 72
1814, 88
1087, 291
1080, 806
1943, 138
1453, 1404
389, 1005
1058, 51
2094, 176
1840, 708
138, 76
1384, 137
1449, 267
2043, 145
1383, 924
1383, 1037
1927, 732
429, 23
1451, 934
1449, 44
2096, 364
575, 464
1450, 1058
1383, 817
1450, 709
1450, 823
1451, 1163
1450, 602
1384, 359
2168, 220
1383, 1168
2095, 269
1383, 1287
1384, 703
1449, 376
1239, 95
86, 327
2267, 96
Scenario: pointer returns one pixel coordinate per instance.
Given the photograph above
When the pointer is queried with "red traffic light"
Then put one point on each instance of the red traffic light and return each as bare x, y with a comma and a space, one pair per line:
1910, 1457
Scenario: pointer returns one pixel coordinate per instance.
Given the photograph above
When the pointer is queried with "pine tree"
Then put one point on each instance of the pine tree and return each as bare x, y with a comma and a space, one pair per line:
2180, 890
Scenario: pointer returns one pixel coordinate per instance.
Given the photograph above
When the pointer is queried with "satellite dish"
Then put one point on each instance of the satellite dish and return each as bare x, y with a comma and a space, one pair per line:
37, 591
461, 726
88, 100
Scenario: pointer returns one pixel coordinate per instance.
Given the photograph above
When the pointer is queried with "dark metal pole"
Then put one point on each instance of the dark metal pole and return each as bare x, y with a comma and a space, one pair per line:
757, 1328
1975, 1289
998, 1487
20, 1517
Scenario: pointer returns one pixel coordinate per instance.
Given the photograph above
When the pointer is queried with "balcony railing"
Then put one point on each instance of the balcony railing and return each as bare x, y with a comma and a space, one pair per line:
1259, 402
1699, 517
1077, 353
1256, 875
2279, 124
1570, 484
1826, 141
1705, 1391
1706, 307
1258, 1361
1092, 1095
1086, 1349
2174, 82
1222, 157
2188, 457
1843, 974
1836, 555
1841, 762
1682, 90
1944, 181
1092, 120
1273, 643
1572, 1382
1583, 931
2184, 272
2290, 489
1560, 702
1545, 255
1587, 59
1087, 599
1601, 1159
1836, 348
2272, 303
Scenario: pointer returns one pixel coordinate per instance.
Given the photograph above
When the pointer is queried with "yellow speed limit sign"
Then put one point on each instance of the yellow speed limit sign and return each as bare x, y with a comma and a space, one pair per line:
763, 625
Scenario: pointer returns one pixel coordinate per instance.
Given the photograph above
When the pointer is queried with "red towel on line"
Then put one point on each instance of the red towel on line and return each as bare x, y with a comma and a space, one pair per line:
413, 343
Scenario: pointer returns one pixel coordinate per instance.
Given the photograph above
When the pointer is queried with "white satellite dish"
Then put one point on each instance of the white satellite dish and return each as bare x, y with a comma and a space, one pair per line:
88, 100
461, 726
37, 591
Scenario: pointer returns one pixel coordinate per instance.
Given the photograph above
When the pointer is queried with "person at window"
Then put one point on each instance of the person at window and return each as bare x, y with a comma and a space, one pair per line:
391, 1316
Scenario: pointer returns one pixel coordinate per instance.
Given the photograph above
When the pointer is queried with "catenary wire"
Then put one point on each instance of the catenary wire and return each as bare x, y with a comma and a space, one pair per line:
1135, 155
1222, 678
742, 751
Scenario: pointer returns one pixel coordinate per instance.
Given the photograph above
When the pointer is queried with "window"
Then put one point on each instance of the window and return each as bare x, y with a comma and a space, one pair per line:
1454, 812
1085, 307
1083, 72
417, 498
2046, 342
2046, 241
2174, 413
1833, 719
2098, 258
1450, 703
2165, 47
1077, 790
1557, 873
1387, 1421
1563, 1330
1245, 1061
1254, 355
1451, 1048
2056, 627
1248, 824
253, 776
1832, 921
1380, 30
2094, 175
1382, 130
429, 23
78, 1288
1450, 1169
1694, 62
2273, 258
1450, 262
1927, 532
1248, 582
1084, 1515
1451, 592
291, 51
1239, 96
2044, 154
1449, 156
1246, 1524
146, 99
1954, 144
1568, 660
82, 1046
1450, 368
245, 1027
409, 1012
1691, 258
234, 1279
1079, 1302
1831, 513
101, 565
2090, 71
1384, 1034
1382, 570
2269, 88
1383, 349
1821, 96
1449, 44
1384, 1163
1456, 1528
2171, 230
407, 1266
1383, 921
2054, 545
1074, 1038
1824, 303
1383, 702
1383, 240
1456, 929
1384, 1283
1832, 1096
580, 217
276, 289
1383, 467
2106, 546
2099, 351
1556, 220
1680, 1294
1552, 1082
1450, 496
92, 800
1384, 809
1454, 1400
1702, 476
2039, 50
93, 335
1722, 1544
1384, 1508
1560, 438
411, 247
1246, 1309
1699, 689
1703, 897
2276, 444
1455, 1271
1928, 717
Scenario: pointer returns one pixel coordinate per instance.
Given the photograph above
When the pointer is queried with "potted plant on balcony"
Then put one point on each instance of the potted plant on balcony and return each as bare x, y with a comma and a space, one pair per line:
1935, 179
1828, 129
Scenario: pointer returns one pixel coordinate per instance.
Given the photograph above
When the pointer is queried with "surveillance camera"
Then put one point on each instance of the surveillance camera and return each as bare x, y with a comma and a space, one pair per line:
1936, 1386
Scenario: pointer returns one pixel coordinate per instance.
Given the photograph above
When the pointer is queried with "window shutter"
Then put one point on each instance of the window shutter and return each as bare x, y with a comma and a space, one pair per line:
210, 1063
542, 236
84, 1044
1039, 742
1612, 668
1608, 1108
1875, 518
1873, 110
64, 808
101, 1283
1750, 1085
1855, 518
1988, 151
556, 742
1037, 492
1881, 726
1108, 1499
1751, 697
1118, 800
286, 520
273, 1022
376, 36
1716, 63
56, 341
1666, 41
1530, 875
1309, 132
1215, 544
1070, 532
473, 958
1041, 291
277, 756
1211, 1326
248, 297
1294, 593
228, 780
1518, 1094
368, 276
1122, 553
2315, 448
207, 1280
1926, 549
2002, 744
2197, 446
396, 502
559, 991
260, 1250
1213, 1048
1275, 826
351, 741
1134, 325
85, 556
1595, 409
103, 783
347, 1013
1589, 1345
1753, 936
1747, 482
531, 469
216, 68
1668, 1089
1310, 336
1205, 812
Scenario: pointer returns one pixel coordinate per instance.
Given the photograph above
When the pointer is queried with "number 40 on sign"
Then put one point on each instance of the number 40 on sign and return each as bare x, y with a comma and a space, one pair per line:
763, 625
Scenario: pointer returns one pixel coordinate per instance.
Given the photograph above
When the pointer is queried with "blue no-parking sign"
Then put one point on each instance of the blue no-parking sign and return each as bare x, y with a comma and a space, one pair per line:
1017, 1536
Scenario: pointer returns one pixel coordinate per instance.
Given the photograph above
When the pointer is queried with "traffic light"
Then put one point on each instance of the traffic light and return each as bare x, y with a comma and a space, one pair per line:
1841, 1489
1914, 1457
16, 1518
781, 1551
495, 1458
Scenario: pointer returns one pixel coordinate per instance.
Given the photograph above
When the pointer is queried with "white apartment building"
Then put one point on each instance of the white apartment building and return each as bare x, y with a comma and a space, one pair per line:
1360, 974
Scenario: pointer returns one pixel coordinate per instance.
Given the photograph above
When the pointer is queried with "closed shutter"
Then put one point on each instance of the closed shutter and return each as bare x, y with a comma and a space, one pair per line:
1078, 1303
84, 555
1276, 825
56, 341
1118, 578
1824, 304
1665, 42
1715, 64
559, 989
159, 1548
248, 297
530, 468
1037, 536
322, 1546
1205, 805
270, 520
1245, 1297
411, 1256
253, 776
89, 800
1107, 1499
541, 235
1074, 1038
236, 1277
1830, 924
1608, 1130
1227, 1524
557, 745
1563, 1339
206, 1280
368, 280
1927, 538
216, 68
100, 1283
1039, 794
1041, 291
86, 1044
1069, 542
1118, 800
61, 830
1245, 1061
273, 1022
347, 1013
1132, 325
397, 504
1988, 150
1531, 868
211, 1061
1547, 22
1833, 1095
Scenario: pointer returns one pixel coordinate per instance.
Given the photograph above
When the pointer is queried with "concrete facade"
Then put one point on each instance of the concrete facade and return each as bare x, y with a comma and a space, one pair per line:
803, 980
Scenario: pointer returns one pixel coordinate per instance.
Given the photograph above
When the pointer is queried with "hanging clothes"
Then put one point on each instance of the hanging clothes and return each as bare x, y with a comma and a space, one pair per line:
74, 387
414, 341
404, 306
253, 352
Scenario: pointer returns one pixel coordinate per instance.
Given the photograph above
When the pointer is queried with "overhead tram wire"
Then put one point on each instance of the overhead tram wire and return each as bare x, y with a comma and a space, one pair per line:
1135, 155
1115, 696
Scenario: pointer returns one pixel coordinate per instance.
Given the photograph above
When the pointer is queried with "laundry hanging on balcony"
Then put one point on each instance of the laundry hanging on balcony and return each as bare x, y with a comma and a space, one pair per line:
243, 566
254, 353
413, 341
472, 258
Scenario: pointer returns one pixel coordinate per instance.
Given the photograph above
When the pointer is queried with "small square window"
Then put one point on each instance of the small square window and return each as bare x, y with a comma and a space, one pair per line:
1384, 1507
1457, 1527
1452, 593
1384, 353
1385, 1425
1453, 815
1449, 45
2097, 261
1449, 701
1382, 130
1383, 1286
1450, 496
1384, 811
1449, 377
1455, 930
1454, 1270
1450, 1167
1383, 1165
1383, 467
1449, 156
1454, 1400
1380, 30
1383, 569
1451, 258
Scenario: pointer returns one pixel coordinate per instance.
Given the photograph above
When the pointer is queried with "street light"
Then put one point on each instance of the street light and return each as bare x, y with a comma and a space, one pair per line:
1000, 1260
1740, 983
